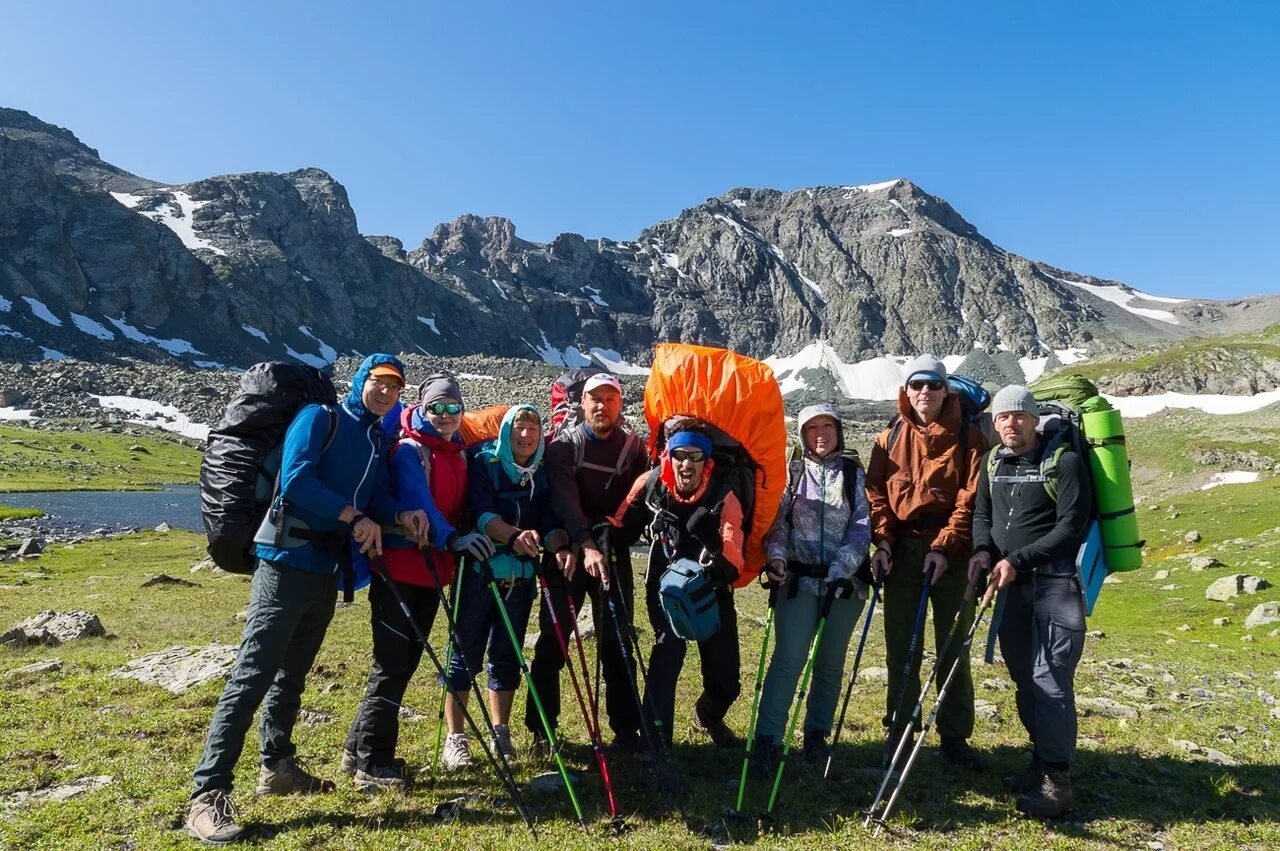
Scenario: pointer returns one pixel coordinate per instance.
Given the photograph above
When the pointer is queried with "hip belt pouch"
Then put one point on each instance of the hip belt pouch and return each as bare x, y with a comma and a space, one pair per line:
688, 600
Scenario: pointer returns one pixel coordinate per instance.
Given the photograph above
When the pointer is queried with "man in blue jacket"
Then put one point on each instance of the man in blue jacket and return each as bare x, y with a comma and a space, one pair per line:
333, 483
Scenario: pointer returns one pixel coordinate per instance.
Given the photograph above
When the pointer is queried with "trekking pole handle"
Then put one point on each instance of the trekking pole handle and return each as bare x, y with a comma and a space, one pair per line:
989, 595
834, 590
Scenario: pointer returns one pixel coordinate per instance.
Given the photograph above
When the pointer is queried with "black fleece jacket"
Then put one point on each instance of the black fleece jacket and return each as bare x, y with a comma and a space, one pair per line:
1019, 522
582, 497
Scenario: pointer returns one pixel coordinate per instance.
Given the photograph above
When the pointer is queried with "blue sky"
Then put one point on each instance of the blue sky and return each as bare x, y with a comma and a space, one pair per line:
1136, 141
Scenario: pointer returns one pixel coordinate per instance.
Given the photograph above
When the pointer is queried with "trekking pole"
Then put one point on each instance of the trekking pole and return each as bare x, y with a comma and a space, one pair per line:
833, 593
590, 712
969, 593
626, 634
937, 704
993, 632
504, 771
911, 651
853, 676
448, 660
755, 700
533, 691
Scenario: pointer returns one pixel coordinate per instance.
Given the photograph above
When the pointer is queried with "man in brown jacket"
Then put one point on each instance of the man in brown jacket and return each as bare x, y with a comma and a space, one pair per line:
921, 484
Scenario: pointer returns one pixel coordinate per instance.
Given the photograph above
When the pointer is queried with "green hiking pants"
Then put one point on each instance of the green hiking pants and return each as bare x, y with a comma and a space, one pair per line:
902, 589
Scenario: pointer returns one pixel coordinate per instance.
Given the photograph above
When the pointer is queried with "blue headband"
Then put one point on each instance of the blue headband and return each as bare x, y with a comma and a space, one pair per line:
690, 438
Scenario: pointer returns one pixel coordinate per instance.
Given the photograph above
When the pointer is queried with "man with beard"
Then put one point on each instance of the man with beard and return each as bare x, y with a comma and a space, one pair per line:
591, 466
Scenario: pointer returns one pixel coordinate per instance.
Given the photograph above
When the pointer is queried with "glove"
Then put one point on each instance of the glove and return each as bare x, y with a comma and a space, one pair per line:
474, 544
704, 526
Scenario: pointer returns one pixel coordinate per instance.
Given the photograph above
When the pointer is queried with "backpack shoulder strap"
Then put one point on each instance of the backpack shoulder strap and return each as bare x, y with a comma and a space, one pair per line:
1049, 467
991, 463
850, 466
332, 431
895, 428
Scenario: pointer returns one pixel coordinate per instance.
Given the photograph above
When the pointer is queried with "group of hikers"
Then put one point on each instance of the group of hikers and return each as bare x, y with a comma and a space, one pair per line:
390, 493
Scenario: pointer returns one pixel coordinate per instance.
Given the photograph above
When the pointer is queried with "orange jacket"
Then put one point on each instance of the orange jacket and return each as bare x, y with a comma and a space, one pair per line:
922, 488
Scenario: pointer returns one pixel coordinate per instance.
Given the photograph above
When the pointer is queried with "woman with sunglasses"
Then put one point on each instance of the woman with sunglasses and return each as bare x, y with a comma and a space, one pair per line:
820, 537
428, 470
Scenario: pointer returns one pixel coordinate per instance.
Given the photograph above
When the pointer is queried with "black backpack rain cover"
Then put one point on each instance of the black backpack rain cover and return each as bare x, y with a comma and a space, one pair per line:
237, 475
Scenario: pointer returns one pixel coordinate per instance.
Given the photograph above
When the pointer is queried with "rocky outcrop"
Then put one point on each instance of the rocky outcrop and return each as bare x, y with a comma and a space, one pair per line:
99, 263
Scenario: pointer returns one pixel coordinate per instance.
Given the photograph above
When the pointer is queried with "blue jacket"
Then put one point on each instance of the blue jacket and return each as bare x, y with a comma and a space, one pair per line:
316, 484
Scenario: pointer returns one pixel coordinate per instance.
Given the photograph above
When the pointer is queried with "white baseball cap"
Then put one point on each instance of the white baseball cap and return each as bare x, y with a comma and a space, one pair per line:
602, 379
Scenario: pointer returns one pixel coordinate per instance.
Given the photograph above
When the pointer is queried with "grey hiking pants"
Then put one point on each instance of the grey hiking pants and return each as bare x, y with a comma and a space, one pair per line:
1041, 639
289, 613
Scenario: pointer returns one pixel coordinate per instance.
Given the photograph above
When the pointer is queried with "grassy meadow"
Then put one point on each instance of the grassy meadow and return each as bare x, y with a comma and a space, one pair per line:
1194, 765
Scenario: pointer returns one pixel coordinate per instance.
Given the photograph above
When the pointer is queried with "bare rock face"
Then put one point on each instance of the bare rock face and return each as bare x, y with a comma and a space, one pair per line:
53, 628
178, 669
246, 267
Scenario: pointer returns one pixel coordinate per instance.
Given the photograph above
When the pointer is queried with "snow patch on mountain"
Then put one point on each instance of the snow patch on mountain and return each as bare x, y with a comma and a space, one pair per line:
328, 352
594, 294
5, 305
177, 215
174, 346
1211, 403
91, 327
876, 379
156, 414
429, 322
1233, 477
1122, 298
614, 363
309, 359
39, 311
257, 332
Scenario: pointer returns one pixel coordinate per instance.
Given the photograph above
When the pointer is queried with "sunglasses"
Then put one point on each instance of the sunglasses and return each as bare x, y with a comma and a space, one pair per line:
920, 385
697, 456
442, 408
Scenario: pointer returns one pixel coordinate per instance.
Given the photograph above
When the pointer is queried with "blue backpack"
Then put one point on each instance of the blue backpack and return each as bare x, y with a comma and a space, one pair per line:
688, 599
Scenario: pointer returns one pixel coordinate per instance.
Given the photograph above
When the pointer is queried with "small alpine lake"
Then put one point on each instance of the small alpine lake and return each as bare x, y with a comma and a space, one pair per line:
177, 505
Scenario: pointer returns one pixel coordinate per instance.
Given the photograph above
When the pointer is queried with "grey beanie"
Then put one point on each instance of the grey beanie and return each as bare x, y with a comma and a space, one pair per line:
439, 385
1015, 397
927, 364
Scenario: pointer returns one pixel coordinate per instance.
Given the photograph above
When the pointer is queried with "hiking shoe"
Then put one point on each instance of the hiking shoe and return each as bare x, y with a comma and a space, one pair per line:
540, 748
1053, 798
286, 776
628, 742
383, 778
716, 730
349, 763
212, 818
764, 758
1028, 780
957, 752
816, 749
502, 741
891, 747
457, 752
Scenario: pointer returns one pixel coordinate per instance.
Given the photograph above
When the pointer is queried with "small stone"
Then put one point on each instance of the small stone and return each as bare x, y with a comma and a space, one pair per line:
138, 447
1192, 537
205, 564
1160, 574
549, 783
1106, 707
997, 684
1200, 563
874, 675
45, 667
57, 794
1096, 633
1138, 693
1168, 587
31, 547
986, 710
312, 717
240, 616
166, 579
331, 688
178, 669
1221, 621
1112, 579
163, 527
1186, 627
1264, 614
1119, 664
408, 713
1246, 638
1253, 584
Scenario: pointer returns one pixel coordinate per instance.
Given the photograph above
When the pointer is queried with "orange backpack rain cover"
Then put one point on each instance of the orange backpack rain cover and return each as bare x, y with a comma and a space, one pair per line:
739, 396
484, 424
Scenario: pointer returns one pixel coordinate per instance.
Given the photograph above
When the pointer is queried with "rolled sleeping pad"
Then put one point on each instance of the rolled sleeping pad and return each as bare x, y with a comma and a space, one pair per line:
1112, 487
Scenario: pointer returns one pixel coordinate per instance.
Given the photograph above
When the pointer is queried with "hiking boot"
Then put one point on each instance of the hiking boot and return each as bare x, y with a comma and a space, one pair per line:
816, 749
383, 778
1028, 780
540, 747
286, 776
891, 747
502, 741
349, 763
457, 752
1053, 798
957, 752
764, 758
716, 730
628, 742
212, 818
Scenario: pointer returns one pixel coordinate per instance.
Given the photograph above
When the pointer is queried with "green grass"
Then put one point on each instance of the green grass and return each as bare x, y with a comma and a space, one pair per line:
11, 512
1135, 786
36, 460
1200, 354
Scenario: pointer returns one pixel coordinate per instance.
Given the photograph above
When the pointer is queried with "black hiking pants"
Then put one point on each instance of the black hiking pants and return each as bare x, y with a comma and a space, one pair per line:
548, 660
721, 666
396, 654
1041, 639
289, 613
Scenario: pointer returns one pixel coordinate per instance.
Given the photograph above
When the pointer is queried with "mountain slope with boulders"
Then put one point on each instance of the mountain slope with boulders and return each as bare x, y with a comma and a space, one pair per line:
98, 263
